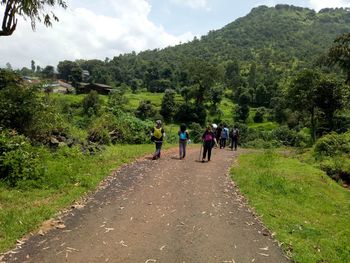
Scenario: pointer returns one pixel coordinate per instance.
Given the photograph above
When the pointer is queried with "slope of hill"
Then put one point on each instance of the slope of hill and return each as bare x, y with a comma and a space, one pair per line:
279, 34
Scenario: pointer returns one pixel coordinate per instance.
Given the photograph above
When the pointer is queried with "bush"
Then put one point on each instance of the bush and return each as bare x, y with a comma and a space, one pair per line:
196, 132
19, 161
259, 115
91, 104
332, 144
287, 137
120, 128
338, 168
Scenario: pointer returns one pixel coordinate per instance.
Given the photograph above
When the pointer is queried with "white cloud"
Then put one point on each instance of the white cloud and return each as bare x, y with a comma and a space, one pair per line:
195, 4
319, 4
84, 34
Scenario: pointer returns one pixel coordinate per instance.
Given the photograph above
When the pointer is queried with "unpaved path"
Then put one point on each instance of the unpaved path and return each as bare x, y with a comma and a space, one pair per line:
166, 211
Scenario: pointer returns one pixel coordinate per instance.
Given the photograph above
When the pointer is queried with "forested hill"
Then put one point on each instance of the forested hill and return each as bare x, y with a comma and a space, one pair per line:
280, 34
279, 39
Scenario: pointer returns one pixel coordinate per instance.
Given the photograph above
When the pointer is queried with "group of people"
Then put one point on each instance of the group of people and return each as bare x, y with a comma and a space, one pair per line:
212, 136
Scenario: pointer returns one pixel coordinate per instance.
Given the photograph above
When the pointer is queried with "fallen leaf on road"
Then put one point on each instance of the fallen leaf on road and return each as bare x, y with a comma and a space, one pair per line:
162, 248
264, 248
108, 229
150, 260
262, 254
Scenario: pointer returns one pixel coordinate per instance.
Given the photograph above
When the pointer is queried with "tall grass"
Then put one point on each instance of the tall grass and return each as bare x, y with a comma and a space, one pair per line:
308, 211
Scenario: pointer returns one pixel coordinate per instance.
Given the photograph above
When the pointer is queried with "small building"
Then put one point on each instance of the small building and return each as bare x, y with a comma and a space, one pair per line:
85, 88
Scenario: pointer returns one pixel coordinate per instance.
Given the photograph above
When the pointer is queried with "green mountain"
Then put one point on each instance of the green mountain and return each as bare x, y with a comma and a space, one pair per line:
281, 39
281, 34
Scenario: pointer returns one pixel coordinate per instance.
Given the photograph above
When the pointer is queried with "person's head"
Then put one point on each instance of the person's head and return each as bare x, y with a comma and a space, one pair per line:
235, 126
208, 129
183, 127
158, 123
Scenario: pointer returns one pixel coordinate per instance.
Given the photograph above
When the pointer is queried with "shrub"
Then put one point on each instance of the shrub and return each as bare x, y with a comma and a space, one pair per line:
338, 168
286, 136
91, 104
332, 144
196, 132
19, 161
259, 115
18, 106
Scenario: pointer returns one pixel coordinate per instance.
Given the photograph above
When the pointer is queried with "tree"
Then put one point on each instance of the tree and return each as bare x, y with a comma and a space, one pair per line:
168, 107
329, 99
35, 10
232, 74
302, 95
64, 69
92, 104
339, 54
242, 110
32, 65
145, 110
48, 72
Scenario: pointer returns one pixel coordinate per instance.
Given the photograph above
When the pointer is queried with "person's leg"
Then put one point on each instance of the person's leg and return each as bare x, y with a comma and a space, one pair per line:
156, 152
224, 143
236, 142
184, 149
209, 153
180, 149
232, 143
205, 149
159, 148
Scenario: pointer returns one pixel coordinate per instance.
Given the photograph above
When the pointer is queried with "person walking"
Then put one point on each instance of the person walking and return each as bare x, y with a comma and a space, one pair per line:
234, 135
224, 137
157, 136
183, 139
208, 142
218, 133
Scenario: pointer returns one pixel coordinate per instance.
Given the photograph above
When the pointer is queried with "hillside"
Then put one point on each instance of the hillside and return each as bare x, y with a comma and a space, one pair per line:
281, 34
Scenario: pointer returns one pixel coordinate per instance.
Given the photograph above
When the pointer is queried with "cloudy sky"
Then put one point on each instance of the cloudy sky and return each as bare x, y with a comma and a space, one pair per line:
107, 28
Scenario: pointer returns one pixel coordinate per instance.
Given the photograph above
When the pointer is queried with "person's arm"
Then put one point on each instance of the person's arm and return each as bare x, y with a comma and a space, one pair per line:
163, 132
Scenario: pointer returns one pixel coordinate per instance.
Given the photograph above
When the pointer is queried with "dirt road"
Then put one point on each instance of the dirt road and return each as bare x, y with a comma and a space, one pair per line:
168, 210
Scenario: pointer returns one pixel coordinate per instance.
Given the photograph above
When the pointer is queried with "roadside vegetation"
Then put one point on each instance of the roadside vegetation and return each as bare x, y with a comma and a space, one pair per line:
56, 147
307, 211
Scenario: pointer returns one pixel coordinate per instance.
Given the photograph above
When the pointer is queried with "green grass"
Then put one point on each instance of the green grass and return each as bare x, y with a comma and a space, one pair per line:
308, 211
268, 126
69, 176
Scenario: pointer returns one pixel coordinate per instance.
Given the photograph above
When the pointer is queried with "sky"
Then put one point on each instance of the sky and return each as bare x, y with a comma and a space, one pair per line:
98, 29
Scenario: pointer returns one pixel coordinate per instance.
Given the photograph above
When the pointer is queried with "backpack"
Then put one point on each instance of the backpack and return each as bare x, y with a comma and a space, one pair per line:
208, 137
234, 133
224, 133
183, 135
157, 133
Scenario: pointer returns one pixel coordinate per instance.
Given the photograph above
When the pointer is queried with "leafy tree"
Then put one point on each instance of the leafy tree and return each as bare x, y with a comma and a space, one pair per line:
35, 10
32, 65
18, 106
145, 110
216, 95
329, 99
64, 69
232, 74
242, 110
339, 54
91, 104
203, 76
168, 107
117, 100
48, 72
76, 75
302, 95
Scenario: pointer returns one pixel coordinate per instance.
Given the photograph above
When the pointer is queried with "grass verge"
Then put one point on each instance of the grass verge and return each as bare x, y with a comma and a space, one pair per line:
68, 177
308, 211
